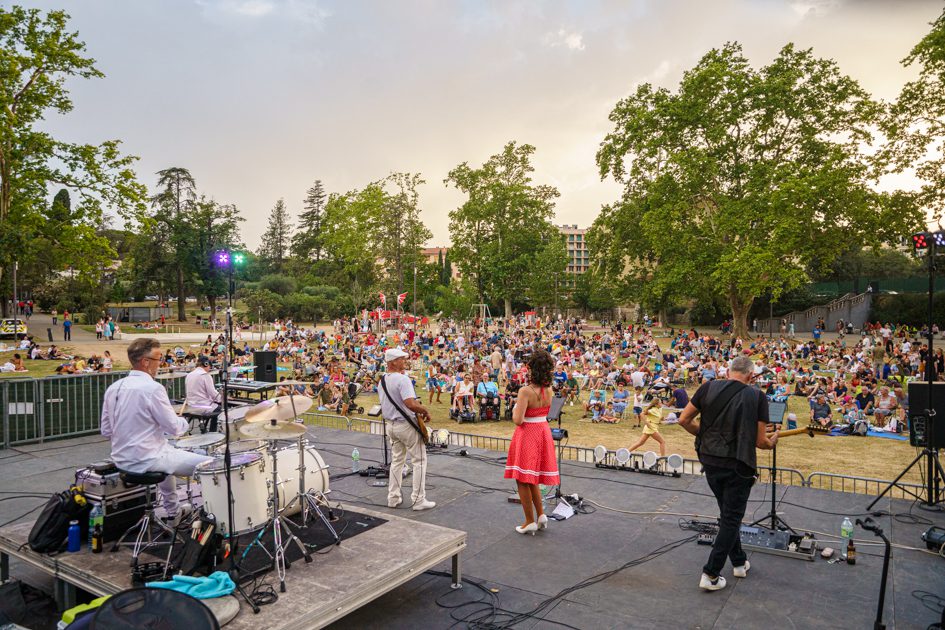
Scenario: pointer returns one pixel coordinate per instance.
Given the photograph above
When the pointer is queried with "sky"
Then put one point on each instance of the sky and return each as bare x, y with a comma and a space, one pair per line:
259, 98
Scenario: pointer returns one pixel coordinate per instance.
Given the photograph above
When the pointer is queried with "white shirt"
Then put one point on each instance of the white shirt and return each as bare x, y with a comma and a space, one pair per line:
135, 415
201, 394
401, 388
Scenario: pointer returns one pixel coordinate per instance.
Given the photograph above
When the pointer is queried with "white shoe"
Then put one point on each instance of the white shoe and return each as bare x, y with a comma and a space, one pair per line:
708, 584
741, 571
543, 521
393, 504
424, 505
531, 528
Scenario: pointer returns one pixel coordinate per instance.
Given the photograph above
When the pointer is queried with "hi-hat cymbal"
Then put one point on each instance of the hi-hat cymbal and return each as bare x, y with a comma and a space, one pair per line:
269, 431
281, 409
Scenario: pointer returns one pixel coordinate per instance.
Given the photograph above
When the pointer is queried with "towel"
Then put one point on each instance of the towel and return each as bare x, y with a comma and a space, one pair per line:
216, 584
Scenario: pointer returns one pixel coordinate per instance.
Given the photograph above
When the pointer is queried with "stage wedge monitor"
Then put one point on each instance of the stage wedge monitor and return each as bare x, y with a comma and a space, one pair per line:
927, 416
265, 366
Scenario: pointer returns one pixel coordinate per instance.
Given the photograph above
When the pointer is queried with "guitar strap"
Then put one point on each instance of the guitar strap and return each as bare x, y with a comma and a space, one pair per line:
413, 422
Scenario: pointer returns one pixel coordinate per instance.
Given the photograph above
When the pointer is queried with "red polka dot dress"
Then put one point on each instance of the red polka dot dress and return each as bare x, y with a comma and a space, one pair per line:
532, 452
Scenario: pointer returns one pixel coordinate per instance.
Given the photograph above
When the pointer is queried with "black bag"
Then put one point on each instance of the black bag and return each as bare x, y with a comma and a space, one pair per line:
51, 529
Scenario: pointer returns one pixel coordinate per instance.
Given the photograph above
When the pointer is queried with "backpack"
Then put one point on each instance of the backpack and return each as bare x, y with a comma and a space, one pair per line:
51, 529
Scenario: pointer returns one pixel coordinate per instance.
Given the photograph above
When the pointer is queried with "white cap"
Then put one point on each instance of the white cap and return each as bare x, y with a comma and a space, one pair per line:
393, 354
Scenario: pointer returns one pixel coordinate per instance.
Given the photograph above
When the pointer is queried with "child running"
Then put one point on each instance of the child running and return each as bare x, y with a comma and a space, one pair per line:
652, 417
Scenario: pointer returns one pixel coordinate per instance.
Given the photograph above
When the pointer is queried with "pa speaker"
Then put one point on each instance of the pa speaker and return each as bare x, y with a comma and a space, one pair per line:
927, 415
266, 366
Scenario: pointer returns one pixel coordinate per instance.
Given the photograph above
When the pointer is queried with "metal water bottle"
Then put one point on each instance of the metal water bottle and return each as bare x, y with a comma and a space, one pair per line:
74, 537
355, 460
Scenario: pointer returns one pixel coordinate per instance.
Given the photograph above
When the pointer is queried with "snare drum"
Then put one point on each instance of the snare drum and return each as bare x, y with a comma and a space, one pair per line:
250, 499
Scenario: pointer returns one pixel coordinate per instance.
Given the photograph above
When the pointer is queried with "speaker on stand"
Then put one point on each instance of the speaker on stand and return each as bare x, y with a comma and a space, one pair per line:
265, 366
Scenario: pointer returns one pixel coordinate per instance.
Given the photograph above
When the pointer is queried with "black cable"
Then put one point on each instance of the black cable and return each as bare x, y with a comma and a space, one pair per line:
24, 515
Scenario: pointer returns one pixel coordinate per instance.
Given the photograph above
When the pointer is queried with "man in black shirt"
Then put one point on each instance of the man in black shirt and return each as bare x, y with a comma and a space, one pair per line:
732, 424
865, 400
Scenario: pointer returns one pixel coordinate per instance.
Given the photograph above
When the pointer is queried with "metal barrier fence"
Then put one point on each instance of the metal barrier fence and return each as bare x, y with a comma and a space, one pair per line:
863, 485
55, 407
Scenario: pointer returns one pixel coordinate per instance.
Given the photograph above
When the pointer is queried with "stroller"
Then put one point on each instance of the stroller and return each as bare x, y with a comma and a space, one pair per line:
347, 403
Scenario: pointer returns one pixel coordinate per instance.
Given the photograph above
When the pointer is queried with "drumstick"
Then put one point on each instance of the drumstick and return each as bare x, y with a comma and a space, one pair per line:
182, 408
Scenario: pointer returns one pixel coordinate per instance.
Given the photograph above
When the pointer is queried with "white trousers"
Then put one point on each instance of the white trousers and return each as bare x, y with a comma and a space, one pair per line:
174, 461
404, 440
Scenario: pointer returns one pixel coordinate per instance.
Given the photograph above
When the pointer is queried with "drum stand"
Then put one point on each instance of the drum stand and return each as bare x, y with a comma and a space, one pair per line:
309, 500
277, 523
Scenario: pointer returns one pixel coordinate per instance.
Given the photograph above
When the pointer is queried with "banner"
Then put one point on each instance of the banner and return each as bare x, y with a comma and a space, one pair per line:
401, 298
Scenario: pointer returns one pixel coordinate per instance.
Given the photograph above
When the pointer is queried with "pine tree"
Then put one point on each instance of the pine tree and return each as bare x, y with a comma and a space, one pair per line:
307, 242
276, 238
447, 274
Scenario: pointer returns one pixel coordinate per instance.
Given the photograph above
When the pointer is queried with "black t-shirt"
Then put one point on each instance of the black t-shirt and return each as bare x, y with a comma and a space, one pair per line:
864, 400
698, 401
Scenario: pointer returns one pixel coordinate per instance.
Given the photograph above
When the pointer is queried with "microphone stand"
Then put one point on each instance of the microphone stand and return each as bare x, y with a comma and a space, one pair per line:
231, 538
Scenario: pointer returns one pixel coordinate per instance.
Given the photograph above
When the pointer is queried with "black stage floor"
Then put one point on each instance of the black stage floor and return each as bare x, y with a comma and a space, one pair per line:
663, 592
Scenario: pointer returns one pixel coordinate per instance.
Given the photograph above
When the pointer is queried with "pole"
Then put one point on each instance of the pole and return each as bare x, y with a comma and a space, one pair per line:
415, 295
931, 479
770, 315
229, 316
16, 308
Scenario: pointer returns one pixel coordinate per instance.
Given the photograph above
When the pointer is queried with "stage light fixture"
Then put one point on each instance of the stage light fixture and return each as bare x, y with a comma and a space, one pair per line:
623, 456
939, 238
600, 453
674, 463
221, 258
920, 240
239, 259
649, 459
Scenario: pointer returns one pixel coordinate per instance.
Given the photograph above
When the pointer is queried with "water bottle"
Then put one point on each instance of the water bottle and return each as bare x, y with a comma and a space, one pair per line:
355, 460
96, 517
846, 534
75, 537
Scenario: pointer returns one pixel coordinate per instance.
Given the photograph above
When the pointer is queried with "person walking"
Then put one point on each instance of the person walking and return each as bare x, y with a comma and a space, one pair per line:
66, 327
732, 425
400, 408
652, 418
531, 460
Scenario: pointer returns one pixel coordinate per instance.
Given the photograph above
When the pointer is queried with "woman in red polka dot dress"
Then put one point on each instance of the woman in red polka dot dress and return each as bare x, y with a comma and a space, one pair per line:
532, 458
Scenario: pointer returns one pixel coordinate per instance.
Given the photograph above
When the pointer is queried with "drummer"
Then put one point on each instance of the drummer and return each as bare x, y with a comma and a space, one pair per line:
202, 396
137, 414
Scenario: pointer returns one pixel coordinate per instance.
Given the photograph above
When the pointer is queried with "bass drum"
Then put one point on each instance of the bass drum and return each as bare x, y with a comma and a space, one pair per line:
250, 499
316, 475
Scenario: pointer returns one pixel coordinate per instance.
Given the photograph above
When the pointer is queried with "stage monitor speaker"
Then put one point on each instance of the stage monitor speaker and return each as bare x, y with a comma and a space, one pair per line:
927, 416
265, 366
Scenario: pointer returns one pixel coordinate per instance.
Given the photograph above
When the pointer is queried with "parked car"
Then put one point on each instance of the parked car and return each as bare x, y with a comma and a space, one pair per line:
8, 326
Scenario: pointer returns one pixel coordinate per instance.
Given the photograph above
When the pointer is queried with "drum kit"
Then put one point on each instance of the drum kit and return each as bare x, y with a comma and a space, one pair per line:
261, 498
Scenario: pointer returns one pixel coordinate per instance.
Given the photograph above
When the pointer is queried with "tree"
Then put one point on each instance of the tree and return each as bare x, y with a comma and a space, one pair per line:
307, 242
543, 287
742, 179
916, 121
173, 203
276, 238
401, 232
503, 225
210, 227
37, 57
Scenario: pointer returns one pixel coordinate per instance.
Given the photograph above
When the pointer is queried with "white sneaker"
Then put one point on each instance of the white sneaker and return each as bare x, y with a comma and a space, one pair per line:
741, 571
708, 584
424, 505
392, 504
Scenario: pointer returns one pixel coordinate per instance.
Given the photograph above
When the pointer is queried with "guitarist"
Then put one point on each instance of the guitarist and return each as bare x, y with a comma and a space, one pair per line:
733, 419
405, 416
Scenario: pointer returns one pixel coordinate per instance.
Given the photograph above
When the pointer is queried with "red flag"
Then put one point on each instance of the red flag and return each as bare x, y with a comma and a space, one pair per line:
401, 298
383, 299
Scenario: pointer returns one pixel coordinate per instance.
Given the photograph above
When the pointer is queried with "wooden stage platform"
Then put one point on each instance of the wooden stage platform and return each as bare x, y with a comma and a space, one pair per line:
361, 569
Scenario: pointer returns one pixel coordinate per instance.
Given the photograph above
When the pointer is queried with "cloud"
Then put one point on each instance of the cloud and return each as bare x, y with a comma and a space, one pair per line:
306, 11
563, 38
813, 7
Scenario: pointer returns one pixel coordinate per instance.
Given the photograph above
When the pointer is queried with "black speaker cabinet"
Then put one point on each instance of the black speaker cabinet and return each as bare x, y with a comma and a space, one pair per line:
266, 366
927, 415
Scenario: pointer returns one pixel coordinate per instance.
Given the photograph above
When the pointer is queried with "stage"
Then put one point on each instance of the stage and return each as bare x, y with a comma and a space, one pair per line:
526, 571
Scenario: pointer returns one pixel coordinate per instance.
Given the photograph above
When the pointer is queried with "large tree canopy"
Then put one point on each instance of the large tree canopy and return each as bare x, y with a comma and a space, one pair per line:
37, 56
740, 181
501, 232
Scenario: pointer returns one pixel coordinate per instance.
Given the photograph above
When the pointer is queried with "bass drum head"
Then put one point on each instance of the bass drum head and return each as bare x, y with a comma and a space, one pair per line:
316, 475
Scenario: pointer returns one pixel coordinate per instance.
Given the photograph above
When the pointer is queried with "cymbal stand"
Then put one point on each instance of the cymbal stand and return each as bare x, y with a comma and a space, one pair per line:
277, 523
309, 500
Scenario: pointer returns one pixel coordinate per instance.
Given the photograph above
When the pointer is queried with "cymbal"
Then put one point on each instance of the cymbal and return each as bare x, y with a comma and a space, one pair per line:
268, 431
281, 409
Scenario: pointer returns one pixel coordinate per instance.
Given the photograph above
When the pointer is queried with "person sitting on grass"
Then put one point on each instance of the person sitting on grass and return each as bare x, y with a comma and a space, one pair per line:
653, 416
886, 405
609, 415
594, 404
820, 411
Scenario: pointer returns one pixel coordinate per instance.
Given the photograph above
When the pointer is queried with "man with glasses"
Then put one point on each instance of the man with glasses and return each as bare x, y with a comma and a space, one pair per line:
137, 414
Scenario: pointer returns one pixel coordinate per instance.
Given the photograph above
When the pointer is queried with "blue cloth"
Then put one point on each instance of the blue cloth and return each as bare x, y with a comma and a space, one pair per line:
216, 584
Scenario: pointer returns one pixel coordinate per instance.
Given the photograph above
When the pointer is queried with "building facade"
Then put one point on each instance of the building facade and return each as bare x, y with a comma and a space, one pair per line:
579, 258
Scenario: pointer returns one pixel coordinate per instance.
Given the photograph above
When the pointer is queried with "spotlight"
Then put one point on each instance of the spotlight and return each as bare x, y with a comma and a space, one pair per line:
938, 238
674, 463
649, 459
623, 456
222, 258
920, 240
239, 259
600, 453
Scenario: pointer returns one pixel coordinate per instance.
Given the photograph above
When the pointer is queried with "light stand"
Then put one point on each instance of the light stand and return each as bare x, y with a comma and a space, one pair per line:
558, 434
934, 475
777, 523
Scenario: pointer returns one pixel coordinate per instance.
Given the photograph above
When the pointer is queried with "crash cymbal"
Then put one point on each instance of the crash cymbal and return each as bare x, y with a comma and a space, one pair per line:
281, 409
270, 431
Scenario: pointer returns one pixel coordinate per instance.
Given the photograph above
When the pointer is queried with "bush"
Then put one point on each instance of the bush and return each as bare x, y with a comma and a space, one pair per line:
276, 283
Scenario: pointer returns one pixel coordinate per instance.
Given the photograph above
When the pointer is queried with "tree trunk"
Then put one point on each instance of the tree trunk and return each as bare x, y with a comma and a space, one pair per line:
508, 308
740, 308
212, 303
3, 302
181, 305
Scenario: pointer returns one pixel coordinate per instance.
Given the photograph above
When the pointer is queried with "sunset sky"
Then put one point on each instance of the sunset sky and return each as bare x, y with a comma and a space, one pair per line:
258, 98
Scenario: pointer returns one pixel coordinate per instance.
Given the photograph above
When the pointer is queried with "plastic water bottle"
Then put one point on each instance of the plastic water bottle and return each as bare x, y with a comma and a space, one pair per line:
96, 517
74, 537
355, 460
846, 534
